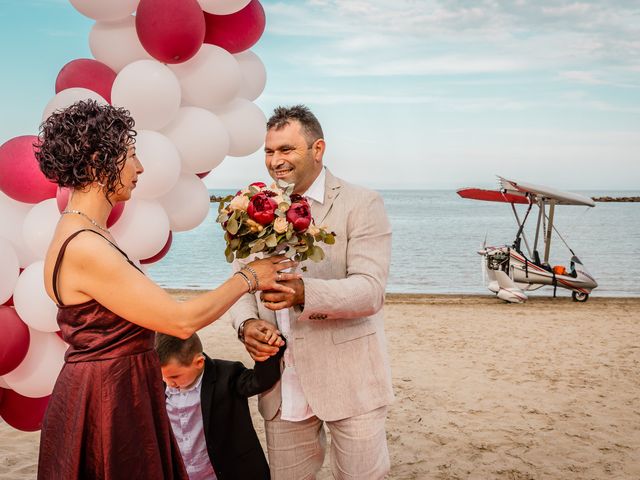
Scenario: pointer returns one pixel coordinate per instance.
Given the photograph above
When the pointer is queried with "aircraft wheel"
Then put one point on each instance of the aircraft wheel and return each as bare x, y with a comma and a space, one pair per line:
579, 296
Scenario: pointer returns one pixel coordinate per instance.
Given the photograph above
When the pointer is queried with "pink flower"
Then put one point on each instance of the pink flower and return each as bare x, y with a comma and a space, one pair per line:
299, 214
262, 208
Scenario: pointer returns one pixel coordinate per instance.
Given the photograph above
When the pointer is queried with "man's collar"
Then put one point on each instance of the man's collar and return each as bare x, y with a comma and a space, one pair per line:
316, 191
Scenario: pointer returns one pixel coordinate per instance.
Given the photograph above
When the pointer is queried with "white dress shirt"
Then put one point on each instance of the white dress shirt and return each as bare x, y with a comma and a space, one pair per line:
185, 414
295, 407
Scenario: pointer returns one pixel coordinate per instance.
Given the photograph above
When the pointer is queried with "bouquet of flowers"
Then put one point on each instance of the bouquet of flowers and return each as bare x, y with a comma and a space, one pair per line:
271, 220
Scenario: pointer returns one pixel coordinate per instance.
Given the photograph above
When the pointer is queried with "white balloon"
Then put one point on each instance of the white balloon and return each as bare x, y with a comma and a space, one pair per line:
211, 78
187, 204
254, 75
223, 7
105, 10
116, 44
150, 91
39, 226
142, 230
161, 162
246, 125
32, 303
9, 269
200, 137
37, 374
12, 215
4, 384
68, 97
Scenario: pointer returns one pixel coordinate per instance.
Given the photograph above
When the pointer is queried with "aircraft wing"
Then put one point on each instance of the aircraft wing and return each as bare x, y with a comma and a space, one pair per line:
546, 193
492, 195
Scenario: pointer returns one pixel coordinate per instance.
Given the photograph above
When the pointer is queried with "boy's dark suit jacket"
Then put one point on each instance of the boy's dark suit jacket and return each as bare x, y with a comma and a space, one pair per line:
234, 448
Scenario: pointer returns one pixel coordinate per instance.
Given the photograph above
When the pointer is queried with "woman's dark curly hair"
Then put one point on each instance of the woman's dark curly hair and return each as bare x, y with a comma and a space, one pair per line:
85, 143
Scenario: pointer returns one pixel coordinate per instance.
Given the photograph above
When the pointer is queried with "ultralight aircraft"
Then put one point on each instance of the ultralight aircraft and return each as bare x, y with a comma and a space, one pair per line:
511, 271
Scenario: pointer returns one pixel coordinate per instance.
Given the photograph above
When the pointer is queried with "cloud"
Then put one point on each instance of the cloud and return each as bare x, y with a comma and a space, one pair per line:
543, 32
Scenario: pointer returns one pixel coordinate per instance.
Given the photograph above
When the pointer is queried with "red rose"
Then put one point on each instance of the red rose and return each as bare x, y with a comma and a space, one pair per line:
299, 215
258, 184
262, 208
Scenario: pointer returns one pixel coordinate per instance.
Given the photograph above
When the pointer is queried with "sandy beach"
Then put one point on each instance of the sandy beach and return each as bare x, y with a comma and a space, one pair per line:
545, 390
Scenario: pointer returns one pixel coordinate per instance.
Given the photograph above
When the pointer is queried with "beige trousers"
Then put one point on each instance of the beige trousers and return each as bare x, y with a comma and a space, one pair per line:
358, 447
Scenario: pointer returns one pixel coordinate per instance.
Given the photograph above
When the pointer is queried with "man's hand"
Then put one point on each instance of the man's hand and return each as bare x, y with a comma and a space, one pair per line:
274, 300
261, 339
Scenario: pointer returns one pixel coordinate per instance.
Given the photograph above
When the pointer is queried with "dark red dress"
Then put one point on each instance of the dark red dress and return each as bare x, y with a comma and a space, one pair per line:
107, 417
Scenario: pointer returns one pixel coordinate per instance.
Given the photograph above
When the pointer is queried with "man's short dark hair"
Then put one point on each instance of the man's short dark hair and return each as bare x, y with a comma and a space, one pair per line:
173, 348
282, 116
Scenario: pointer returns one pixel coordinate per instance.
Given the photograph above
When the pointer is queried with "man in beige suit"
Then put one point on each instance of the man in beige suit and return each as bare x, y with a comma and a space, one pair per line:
336, 369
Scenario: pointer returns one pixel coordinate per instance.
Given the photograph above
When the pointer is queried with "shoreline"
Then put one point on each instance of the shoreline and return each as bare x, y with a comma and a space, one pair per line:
453, 298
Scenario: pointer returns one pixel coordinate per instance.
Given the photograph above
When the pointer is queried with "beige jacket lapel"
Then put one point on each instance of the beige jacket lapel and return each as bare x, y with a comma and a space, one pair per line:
331, 191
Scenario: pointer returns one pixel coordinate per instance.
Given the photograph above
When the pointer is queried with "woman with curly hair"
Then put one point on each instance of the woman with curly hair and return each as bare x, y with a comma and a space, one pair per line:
106, 418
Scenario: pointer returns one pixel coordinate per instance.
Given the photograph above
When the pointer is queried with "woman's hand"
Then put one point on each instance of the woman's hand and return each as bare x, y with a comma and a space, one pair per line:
269, 273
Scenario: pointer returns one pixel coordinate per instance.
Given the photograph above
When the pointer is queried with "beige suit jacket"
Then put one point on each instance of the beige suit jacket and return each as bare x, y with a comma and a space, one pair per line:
338, 339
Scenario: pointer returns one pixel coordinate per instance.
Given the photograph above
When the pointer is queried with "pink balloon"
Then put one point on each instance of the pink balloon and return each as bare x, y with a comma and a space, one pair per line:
62, 199
203, 174
161, 253
170, 31
23, 413
87, 73
14, 341
236, 32
20, 175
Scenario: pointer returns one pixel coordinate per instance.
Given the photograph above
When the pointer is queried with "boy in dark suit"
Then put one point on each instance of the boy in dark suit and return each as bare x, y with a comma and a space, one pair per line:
207, 404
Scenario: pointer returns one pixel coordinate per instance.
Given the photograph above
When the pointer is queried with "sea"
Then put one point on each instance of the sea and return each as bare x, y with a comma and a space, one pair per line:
436, 237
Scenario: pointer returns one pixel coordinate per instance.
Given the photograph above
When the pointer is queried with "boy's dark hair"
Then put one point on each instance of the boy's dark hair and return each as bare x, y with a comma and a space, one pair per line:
282, 116
183, 351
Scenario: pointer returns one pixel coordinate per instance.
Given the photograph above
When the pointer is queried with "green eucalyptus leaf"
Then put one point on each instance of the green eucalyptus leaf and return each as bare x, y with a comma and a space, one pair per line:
232, 226
271, 241
317, 254
258, 246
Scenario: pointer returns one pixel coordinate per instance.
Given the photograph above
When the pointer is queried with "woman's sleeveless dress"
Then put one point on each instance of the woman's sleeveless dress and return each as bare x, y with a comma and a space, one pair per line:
107, 417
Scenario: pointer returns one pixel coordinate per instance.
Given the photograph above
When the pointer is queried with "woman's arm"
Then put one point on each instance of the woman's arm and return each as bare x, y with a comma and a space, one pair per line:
98, 270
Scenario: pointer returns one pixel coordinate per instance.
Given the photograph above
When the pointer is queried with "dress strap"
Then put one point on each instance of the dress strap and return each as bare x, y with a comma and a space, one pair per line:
56, 267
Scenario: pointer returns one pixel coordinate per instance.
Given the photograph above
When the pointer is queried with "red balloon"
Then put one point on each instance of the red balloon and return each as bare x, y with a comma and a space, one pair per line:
23, 413
20, 175
203, 174
170, 31
62, 199
14, 340
161, 253
87, 73
238, 31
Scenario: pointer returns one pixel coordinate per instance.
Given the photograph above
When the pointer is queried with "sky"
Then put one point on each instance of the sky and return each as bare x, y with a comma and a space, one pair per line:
412, 94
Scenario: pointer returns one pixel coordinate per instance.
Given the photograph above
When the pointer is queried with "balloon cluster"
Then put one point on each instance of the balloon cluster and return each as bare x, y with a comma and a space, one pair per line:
185, 72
